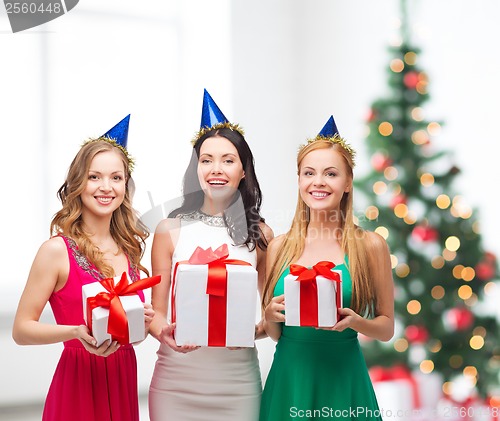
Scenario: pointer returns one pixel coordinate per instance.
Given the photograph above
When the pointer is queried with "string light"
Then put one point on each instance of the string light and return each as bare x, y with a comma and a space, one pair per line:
437, 262
435, 346
476, 342
402, 270
427, 179
468, 274
410, 58
410, 218
385, 128
383, 232
456, 361
420, 137
413, 307
449, 255
391, 173
434, 128
372, 212
452, 243
394, 261
397, 65
417, 114
401, 345
465, 292
443, 201
379, 188
457, 271
437, 292
426, 366
401, 210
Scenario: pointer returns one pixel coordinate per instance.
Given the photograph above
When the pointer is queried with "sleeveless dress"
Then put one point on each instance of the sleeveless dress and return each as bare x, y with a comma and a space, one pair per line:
210, 383
88, 387
318, 373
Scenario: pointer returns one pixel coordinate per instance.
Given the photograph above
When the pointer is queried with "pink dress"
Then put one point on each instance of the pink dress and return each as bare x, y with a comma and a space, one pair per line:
85, 386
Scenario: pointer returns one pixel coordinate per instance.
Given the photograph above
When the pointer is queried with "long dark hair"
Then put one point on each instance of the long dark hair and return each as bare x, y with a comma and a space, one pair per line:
242, 224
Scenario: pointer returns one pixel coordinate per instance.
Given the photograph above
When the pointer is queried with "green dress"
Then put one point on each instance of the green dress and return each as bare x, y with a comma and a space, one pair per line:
318, 374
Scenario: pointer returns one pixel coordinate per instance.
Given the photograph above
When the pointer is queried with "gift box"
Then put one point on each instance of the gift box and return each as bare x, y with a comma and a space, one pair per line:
113, 310
313, 296
396, 389
214, 300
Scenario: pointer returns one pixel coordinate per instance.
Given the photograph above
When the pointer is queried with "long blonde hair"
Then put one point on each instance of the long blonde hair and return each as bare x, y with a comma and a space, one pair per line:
126, 229
352, 240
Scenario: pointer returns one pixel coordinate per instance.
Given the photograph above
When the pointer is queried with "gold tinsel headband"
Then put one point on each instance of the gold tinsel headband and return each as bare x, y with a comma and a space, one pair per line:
223, 125
336, 139
130, 160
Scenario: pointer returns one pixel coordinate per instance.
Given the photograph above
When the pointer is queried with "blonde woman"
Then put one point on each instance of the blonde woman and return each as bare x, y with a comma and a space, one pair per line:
322, 371
96, 235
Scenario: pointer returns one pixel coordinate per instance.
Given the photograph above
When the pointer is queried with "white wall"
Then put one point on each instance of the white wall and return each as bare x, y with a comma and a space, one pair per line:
279, 68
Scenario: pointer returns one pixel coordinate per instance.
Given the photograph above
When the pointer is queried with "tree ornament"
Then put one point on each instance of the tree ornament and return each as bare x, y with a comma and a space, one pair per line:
411, 80
425, 233
458, 318
416, 334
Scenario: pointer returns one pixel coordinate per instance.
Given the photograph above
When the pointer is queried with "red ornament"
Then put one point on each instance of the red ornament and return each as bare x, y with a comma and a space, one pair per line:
380, 161
485, 270
490, 257
416, 334
424, 233
397, 200
459, 318
372, 114
411, 80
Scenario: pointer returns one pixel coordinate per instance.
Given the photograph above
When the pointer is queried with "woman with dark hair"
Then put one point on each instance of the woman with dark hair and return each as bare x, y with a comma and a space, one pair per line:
221, 205
95, 235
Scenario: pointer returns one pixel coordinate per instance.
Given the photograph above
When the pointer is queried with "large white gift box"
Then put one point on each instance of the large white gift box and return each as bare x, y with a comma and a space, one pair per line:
132, 305
314, 301
191, 307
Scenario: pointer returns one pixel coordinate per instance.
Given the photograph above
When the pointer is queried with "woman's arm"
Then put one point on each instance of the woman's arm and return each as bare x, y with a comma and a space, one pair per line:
381, 327
268, 234
48, 273
273, 316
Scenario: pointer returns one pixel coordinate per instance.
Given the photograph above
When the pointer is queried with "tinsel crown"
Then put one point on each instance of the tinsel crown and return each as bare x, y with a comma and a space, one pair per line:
212, 118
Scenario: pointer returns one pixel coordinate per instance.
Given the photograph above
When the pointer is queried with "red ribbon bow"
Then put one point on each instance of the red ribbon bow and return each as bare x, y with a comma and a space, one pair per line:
216, 289
309, 289
117, 321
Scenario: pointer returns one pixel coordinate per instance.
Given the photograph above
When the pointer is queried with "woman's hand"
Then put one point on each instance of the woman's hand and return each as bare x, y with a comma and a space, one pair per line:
166, 336
89, 343
273, 312
348, 319
149, 314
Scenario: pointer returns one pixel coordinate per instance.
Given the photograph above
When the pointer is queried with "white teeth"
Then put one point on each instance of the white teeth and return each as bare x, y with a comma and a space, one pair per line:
319, 194
219, 182
104, 199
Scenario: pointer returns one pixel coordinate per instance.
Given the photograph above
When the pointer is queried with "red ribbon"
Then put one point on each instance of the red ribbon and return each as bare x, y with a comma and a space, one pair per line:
216, 289
398, 372
309, 289
117, 321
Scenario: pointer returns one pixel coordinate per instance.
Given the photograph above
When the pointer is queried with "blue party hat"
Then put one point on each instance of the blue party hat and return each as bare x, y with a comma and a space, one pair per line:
211, 113
212, 118
119, 133
329, 129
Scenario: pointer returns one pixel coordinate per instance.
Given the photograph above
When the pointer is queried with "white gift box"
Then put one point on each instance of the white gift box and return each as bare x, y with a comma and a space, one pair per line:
192, 305
327, 300
132, 305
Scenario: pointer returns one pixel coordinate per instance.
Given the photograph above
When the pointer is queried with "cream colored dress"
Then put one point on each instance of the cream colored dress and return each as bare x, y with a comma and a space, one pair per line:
210, 383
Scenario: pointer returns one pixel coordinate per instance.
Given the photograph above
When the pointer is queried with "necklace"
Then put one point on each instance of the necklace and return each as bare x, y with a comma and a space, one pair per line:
211, 220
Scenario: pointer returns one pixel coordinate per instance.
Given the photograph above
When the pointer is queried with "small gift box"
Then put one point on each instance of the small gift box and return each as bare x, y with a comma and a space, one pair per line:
396, 389
214, 300
313, 296
113, 310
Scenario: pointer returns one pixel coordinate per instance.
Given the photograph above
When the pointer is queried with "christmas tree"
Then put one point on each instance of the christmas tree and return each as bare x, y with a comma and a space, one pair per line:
442, 275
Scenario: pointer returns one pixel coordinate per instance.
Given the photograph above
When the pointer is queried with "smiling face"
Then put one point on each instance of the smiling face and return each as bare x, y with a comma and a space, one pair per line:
323, 179
219, 168
106, 185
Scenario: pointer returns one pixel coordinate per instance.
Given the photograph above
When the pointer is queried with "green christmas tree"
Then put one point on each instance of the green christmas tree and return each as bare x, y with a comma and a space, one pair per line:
442, 274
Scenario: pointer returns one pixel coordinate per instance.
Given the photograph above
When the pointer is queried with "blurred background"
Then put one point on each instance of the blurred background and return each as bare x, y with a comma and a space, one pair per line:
280, 68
